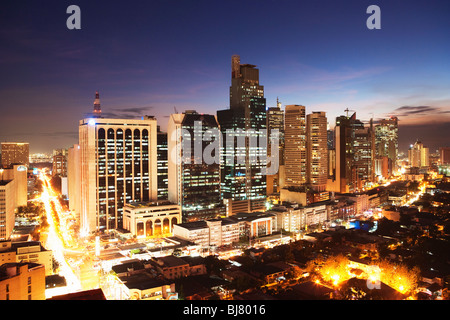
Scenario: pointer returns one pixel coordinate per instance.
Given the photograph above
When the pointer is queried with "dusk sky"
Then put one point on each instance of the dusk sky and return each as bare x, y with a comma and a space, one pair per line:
147, 57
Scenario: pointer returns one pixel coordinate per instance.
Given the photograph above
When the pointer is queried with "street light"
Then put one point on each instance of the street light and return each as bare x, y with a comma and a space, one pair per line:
1, 172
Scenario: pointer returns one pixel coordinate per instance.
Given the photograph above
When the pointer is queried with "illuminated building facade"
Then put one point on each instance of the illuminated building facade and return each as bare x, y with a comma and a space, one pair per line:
22, 281
118, 159
386, 142
163, 166
7, 208
193, 183
151, 219
19, 175
212, 232
317, 151
354, 155
27, 251
59, 166
295, 146
15, 153
244, 159
275, 121
419, 155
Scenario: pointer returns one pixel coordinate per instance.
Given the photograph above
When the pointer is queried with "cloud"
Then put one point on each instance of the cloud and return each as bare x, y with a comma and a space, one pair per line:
414, 110
125, 113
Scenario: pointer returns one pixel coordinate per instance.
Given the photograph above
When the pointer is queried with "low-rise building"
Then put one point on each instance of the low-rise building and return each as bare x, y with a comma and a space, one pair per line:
22, 281
293, 217
151, 218
214, 232
27, 251
171, 267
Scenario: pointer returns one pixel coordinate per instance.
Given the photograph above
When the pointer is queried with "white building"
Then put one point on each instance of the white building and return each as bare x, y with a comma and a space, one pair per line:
118, 165
151, 219
214, 232
293, 217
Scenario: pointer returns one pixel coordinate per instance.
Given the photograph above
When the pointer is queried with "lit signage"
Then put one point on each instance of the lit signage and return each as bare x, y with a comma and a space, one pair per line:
22, 168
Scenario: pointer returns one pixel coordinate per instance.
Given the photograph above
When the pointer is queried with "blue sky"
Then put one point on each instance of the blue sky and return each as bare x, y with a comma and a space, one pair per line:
147, 57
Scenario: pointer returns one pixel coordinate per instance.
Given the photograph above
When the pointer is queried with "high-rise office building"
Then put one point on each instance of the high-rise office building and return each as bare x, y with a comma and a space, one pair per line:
59, 166
244, 153
275, 123
444, 155
118, 165
364, 154
317, 151
355, 149
194, 181
419, 155
295, 155
163, 169
7, 208
386, 142
19, 175
15, 153
331, 153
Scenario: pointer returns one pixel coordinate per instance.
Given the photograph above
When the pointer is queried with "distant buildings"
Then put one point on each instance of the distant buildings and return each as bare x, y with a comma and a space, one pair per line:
15, 153
59, 167
444, 155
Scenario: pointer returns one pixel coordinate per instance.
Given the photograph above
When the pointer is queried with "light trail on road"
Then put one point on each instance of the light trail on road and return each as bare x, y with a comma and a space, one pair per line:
55, 239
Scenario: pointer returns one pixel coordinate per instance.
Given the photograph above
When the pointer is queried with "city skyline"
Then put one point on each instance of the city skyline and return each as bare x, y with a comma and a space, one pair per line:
148, 59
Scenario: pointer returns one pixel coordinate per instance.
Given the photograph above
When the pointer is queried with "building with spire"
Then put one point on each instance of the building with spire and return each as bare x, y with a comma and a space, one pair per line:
117, 165
97, 108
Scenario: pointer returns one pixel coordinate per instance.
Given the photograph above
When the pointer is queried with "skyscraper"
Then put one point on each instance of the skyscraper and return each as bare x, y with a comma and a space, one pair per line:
7, 207
354, 143
317, 151
275, 121
418, 155
244, 159
163, 169
193, 181
118, 165
386, 142
444, 155
295, 155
